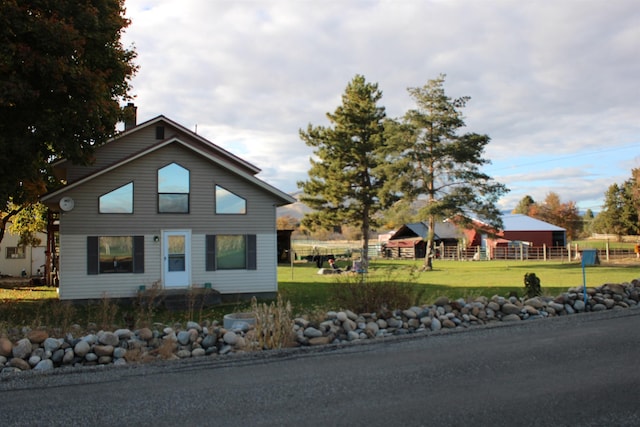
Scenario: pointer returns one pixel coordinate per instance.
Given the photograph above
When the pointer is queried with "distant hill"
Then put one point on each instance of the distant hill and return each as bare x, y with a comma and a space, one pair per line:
294, 210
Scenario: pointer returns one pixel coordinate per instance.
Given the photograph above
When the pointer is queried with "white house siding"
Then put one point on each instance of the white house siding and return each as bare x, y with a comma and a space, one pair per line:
263, 279
77, 284
34, 257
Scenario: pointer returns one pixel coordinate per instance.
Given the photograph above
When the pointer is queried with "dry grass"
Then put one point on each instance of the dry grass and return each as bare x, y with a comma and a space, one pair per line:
147, 304
274, 324
363, 293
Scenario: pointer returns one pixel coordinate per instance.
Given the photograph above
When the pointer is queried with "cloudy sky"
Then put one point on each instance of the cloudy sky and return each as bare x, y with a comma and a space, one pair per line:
555, 84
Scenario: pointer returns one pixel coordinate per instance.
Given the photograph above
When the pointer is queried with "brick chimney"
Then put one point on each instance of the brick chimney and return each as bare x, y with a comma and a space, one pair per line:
130, 116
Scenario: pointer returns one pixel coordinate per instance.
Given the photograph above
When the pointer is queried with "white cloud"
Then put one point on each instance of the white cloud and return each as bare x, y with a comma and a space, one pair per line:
548, 80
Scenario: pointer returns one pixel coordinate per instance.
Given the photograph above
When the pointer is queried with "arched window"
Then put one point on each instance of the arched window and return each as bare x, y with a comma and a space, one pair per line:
173, 189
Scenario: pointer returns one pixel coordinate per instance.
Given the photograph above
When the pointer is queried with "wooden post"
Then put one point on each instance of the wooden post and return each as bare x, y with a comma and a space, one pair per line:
544, 251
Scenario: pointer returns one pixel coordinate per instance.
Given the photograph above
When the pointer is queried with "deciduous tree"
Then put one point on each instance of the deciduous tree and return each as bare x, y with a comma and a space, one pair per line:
63, 75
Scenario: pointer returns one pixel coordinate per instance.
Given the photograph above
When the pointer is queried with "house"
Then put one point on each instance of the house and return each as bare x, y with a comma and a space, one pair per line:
18, 260
162, 206
410, 240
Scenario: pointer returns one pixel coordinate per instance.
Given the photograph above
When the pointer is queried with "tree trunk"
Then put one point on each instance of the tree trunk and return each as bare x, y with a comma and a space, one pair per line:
429, 252
365, 240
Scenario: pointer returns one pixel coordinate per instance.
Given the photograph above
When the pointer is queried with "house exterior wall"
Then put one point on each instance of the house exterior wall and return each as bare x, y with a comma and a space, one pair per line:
76, 284
84, 220
34, 257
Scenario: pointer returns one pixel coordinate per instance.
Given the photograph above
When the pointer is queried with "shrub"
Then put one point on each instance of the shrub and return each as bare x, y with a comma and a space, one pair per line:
364, 294
532, 285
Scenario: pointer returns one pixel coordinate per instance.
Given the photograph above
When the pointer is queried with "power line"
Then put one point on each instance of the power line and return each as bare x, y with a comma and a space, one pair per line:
555, 159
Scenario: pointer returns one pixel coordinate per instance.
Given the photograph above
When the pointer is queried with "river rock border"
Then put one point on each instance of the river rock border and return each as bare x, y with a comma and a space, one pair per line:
40, 352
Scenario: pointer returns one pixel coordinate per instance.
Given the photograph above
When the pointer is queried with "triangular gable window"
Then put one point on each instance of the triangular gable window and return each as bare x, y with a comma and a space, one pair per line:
229, 203
119, 200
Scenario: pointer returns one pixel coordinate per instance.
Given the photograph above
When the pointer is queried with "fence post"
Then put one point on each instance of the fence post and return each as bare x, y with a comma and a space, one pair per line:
568, 252
544, 251
607, 247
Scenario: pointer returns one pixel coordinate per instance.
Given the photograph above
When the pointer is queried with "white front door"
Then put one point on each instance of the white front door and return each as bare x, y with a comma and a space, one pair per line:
176, 258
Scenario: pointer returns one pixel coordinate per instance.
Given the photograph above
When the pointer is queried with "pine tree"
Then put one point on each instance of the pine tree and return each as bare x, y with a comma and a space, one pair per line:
440, 165
347, 177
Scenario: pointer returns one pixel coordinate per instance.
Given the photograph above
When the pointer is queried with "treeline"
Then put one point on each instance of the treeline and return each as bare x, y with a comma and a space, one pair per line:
620, 214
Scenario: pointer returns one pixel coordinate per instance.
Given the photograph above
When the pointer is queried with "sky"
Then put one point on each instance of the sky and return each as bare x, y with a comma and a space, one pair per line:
555, 83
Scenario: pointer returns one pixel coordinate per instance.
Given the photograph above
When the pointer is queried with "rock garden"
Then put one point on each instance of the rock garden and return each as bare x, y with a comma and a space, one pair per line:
39, 351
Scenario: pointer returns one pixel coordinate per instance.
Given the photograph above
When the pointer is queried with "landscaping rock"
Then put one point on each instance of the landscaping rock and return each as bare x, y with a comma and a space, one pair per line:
40, 352
6, 347
230, 338
22, 349
44, 365
37, 336
52, 344
108, 338
103, 350
509, 308
19, 363
145, 334
312, 332
81, 348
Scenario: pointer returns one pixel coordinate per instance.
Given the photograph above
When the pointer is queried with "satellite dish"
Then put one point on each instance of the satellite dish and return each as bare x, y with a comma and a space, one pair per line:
66, 204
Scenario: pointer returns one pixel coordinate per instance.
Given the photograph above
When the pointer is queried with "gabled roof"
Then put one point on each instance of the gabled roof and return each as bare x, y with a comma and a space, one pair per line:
442, 230
200, 146
519, 222
205, 143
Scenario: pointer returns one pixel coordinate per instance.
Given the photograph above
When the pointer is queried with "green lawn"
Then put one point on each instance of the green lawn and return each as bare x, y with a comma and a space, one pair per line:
310, 293
304, 287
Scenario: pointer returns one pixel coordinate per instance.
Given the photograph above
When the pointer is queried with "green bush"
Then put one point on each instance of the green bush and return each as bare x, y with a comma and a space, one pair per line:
532, 285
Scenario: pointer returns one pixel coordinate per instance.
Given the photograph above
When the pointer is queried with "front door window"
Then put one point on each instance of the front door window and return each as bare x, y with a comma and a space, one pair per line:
176, 258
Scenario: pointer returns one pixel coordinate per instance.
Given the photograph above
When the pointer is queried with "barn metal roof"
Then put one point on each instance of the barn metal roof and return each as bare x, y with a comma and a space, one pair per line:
519, 222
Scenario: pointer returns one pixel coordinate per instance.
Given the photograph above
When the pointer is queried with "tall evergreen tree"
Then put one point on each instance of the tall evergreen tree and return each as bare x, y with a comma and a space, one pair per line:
620, 212
441, 165
616, 217
346, 178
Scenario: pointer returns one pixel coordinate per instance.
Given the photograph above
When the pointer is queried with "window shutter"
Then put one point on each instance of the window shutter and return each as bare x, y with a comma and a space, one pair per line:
210, 252
93, 258
138, 254
251, 252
